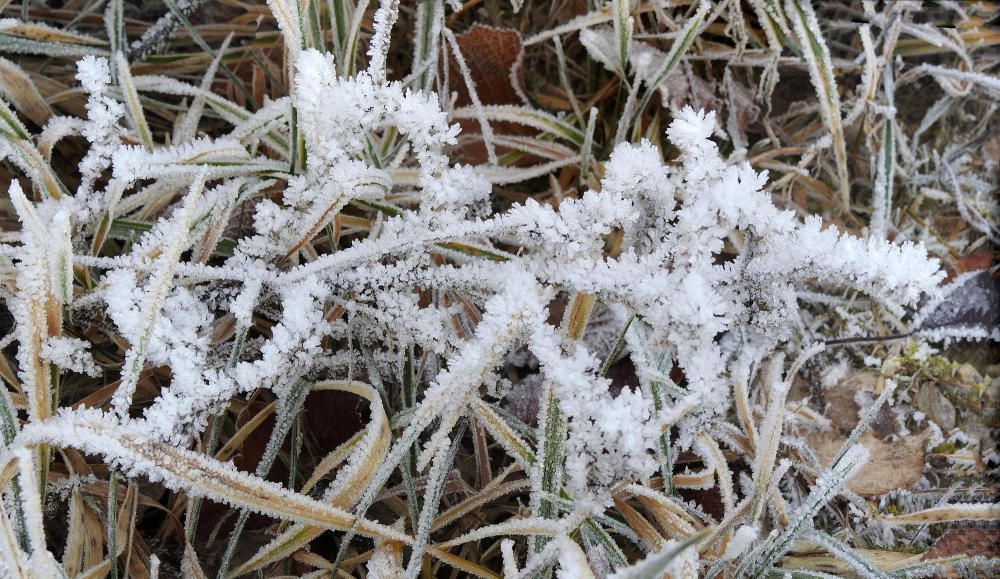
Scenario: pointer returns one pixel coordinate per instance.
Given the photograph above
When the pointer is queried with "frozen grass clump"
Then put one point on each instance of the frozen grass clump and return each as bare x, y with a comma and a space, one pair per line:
309, 292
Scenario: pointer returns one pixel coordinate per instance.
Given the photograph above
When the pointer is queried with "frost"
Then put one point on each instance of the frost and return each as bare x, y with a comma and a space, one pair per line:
102, 128
965, 309
71, 354
741, 541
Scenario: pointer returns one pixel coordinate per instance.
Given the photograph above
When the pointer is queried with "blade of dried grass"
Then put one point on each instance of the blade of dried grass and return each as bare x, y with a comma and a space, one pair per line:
75, 540
489, 494
26, 155
948, 513
852, 557
289, 406
504, 434
650, 537
345, 491
184, 469
817, 56
136, 115
21, 91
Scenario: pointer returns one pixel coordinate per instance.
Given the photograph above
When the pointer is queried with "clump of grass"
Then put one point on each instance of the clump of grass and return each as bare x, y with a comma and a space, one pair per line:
274, 292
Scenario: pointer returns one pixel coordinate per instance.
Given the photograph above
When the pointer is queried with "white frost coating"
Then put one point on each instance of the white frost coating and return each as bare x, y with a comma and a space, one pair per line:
741, 540
573, 562
102, 129
71, 354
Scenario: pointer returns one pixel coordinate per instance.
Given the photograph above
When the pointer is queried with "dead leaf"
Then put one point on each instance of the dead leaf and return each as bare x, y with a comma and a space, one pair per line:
968, 541
842, 408
892, 465
938, 408
970, 301
494, 57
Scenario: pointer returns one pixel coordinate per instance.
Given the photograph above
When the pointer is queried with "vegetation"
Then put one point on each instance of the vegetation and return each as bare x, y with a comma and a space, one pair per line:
703, 288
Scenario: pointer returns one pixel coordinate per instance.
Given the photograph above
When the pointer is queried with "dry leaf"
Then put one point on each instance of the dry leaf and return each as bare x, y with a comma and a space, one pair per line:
968, 541
893, 465
494, 58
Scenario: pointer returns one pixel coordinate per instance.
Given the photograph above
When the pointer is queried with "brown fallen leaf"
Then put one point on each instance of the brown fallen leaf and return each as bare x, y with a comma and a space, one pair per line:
892, 465
967, 540
494, 57
842, 408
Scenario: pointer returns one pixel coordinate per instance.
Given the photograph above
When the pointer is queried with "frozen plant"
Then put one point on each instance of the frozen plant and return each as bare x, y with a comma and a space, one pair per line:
329, 241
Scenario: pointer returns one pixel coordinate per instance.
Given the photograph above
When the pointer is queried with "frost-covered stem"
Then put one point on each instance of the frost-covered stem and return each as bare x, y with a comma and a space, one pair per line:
612, 551
188, 128
817, 55
771, 427
157, 35
428, 22
885, 170
8, 430
38, 312
552, 423
828, 484
440, 467
194, 510
587, 148
663, 451
41, 559
159, 285
552, 433
446, 397
288, 409
378, 49
564, 81
112, 524
685, 38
